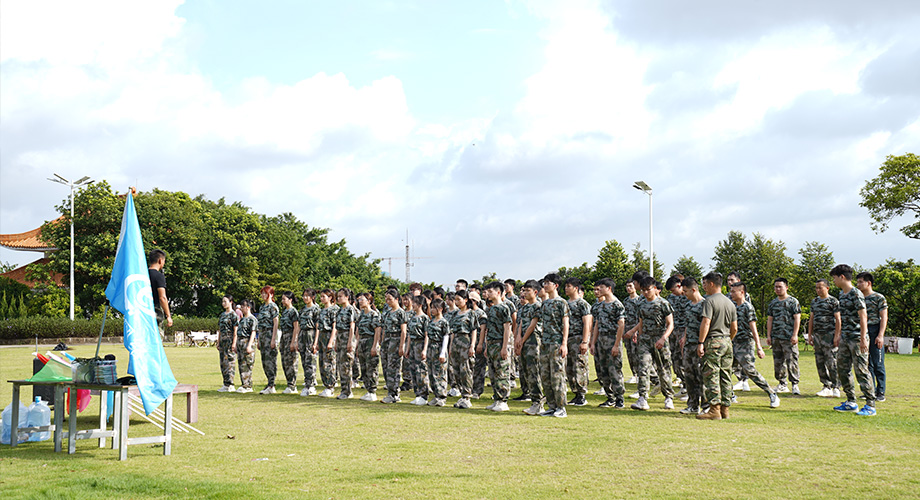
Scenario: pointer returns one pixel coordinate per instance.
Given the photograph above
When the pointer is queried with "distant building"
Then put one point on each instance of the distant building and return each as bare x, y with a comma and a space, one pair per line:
30, 241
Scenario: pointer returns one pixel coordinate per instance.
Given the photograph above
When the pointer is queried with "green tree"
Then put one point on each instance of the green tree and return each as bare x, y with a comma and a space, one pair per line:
613, 262
893, 193
46, 298
768, 261
815, 262
731, 255
900, 283
688, 266
639, 262
6, 267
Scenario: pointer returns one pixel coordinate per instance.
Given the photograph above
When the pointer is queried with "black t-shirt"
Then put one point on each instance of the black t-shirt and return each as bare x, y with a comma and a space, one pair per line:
157, 280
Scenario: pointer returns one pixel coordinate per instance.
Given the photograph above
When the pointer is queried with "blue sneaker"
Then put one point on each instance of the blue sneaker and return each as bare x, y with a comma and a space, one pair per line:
867, 411
847, 406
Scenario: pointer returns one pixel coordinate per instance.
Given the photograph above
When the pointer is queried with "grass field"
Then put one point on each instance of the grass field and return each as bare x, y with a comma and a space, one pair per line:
319, 448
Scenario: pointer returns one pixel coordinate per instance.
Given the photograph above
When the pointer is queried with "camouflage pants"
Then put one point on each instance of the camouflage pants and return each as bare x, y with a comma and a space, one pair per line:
552, 373
269, 357
437, 371
288, 359
419, 368
648, 355
576, 367
677, 352
745, 354
408, 369
631, 353
227, 358
307, 358
451, 375
515, 366
717, 371
246, 360
460, 362
826, 360
480, 365
785, 361
530, 371
393, 366
368, 364
609, 367
736, 369
500, 371
161, 325
344, 361
693, 375
849, 356
326, 360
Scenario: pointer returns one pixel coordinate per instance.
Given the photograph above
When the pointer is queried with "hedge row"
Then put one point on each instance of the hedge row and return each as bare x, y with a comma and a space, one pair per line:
59, 328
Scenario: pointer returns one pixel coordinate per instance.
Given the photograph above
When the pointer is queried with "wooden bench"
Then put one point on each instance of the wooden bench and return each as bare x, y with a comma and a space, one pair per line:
191, 399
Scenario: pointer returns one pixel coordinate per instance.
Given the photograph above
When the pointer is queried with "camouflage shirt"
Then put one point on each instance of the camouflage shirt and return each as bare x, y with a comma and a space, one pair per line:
553, 312
679, 305
326, 320
463, 323
497, 316
267, 314
608, 315
247, 327
390, 321
631, 305
694, 316
654, 315
746, 314
286, 322
515, 300
344, 317
437, 329
309, 317
578, 309
783, 313
480, 316
822, 315
875, 302
526, 316
225, 324
849, 306
367, 323
417, 326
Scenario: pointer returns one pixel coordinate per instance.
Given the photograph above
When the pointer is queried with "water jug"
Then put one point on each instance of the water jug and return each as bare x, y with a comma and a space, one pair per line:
39, 415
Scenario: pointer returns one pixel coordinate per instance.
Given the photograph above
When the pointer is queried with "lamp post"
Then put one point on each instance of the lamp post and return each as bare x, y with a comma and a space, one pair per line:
645, 188
82, 182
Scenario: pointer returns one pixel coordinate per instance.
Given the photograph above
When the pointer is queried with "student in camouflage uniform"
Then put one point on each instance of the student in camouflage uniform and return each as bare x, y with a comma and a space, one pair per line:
580, 326
692, 369
451, 309
481, 361
743, 384
528, 346
393, 322
268, 337
656, 322
289, 323
345, 341
227, 325
245, 338
717, 329
306, 340
325, 342
554, 347
852, 341
417, 330
438, 333
464, 330
822, 324
746, 343
784, 315
368, 328
877, 323
497, 343
679, 305
631, 305
605, 343
408, 374
515, 303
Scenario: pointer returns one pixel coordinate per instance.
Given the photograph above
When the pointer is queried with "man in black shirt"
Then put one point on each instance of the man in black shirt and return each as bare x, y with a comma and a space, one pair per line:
155, 262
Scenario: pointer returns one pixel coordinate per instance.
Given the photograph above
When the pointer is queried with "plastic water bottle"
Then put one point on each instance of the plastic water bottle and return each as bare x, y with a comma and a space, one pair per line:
6, 432
39, 415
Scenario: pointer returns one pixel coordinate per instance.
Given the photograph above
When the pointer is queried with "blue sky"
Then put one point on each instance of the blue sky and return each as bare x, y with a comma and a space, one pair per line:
505, 136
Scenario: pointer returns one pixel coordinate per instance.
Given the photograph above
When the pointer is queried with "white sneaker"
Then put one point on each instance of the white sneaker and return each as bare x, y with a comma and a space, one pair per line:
782, 388
734, 399
463, 403
774, 401
243, 390
371, 397
290, 390
795, 389
305, 392
343, 395
746, 386
634, 395
513, 384
600, 392
739, 386
641, 404
633, 380
436, 402
535, 409
492, 406
836, 393
454, 392
327, 393
560, 413
685, 398
500, 406
825, 392
268, 390
226, 388
311, 391
388, 399
419, 401
668, 404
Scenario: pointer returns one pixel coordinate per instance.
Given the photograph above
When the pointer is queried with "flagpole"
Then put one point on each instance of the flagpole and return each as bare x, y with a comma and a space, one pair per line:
102, 330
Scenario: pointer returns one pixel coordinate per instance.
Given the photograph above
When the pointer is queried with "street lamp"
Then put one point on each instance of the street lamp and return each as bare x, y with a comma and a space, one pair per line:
82, 182
645, 188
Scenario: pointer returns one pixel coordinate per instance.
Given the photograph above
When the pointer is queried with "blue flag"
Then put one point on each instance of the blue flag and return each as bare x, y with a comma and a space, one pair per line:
129, 292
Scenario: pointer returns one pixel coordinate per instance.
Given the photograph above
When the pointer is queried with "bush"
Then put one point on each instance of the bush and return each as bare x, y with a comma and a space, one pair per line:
60, 328
181, 324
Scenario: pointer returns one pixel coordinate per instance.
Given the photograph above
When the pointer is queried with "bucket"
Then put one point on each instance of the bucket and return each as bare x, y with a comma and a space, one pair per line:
905, 346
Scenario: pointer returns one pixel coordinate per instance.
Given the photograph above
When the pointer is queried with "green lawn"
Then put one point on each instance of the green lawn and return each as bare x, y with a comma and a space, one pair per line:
318, 448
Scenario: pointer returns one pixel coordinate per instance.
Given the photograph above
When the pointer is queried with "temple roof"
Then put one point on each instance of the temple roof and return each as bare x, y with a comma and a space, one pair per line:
19, 274
29, 241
